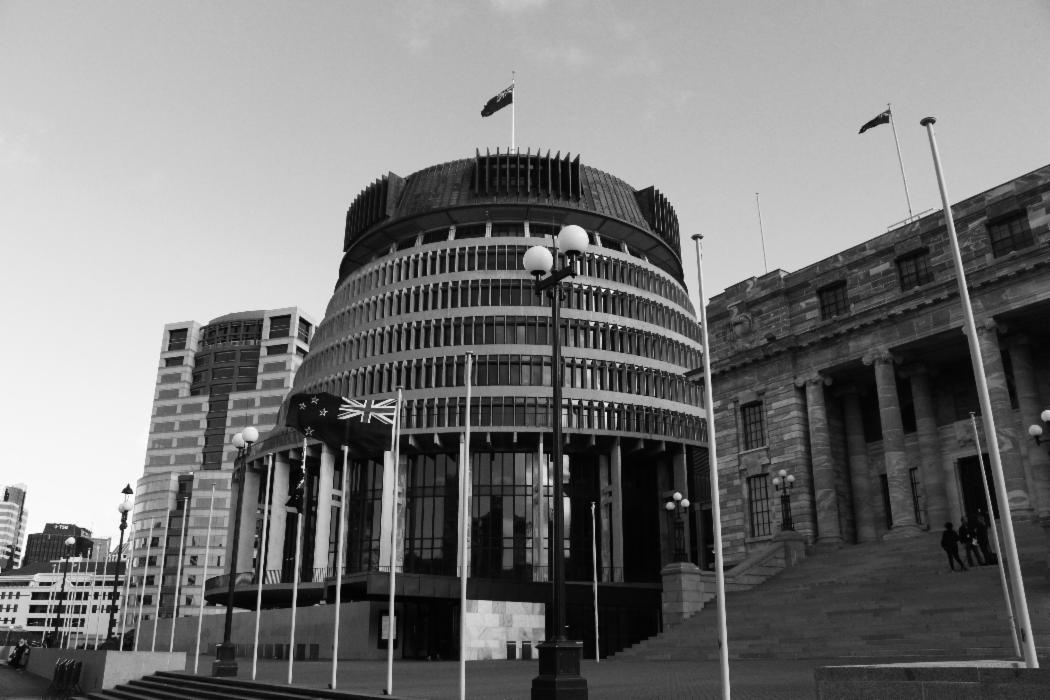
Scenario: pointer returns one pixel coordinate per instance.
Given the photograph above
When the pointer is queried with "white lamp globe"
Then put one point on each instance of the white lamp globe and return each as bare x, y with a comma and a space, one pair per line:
783, 473
790, 478
1035, 430
572, 240
677, 495
70, 541
685, 502
537, 260
1045, 416
123, 507
776, 481
250, 435
669, 505
238, 440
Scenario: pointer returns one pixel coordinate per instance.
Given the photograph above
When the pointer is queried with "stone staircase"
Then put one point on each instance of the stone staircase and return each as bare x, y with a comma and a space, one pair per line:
179, 686
895, 599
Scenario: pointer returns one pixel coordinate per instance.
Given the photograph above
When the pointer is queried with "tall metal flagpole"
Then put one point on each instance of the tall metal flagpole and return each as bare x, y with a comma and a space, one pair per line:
204, 577
261, 564
907, 195
340, 562
298, 557
594, 580
127, 588
1010, 544
995, 536
178, 572
464, 532
761, 233
716, 507
392, 628
98, 618
145, 573
160, 580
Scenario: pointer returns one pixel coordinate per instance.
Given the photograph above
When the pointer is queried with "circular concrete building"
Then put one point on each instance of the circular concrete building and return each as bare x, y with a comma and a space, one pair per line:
431, 270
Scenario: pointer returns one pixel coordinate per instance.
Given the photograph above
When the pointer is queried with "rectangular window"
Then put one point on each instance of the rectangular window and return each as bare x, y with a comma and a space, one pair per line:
1011, 234
177, 339
276, 349
914, 269
833, 300
280, 326
173, 361
758, 505
753, 425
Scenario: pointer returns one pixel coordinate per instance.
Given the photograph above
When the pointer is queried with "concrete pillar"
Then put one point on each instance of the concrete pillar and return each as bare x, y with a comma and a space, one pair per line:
247, 511
463, 553
604, 518
1005, 421
859, 469
931, 470
902, 509
323, 526
616, 517
540, 514
822, 466
278, 515
386, 555
1037, 463
682, 595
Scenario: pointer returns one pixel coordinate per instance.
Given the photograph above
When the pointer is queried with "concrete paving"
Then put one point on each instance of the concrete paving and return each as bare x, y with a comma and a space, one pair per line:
20, 685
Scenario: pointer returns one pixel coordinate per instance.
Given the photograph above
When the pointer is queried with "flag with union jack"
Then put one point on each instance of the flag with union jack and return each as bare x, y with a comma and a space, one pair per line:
363, 425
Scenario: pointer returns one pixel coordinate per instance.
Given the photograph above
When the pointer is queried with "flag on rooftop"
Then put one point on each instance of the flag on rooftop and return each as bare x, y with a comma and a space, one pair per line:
363, 425
498, 102
883, 118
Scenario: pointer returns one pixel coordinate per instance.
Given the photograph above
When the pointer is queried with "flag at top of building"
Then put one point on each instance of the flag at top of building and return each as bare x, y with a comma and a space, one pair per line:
883, 118
498, 102
363, 425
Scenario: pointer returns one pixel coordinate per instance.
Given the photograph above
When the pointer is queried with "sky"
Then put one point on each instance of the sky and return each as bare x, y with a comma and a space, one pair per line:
174, 161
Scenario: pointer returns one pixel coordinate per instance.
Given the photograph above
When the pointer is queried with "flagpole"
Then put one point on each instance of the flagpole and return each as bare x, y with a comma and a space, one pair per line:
761, 233
204, 577
300, 507
712, 460
513, 100
145, 573
127, 588
995, 536
178, 571
907, 195
988, 418
464, 525
594, 578
261, 564
160, 580
98, 618
340, 563
396, 457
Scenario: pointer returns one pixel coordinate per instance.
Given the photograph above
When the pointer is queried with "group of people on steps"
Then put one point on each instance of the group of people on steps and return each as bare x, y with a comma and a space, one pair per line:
973, 536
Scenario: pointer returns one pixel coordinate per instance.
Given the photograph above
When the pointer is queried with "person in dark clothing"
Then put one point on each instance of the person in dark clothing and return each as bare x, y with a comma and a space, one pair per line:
968, 538
19, 655
980, 531
950, 545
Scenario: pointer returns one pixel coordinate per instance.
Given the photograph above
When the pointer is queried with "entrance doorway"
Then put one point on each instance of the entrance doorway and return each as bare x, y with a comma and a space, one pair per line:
971, 486
429, 629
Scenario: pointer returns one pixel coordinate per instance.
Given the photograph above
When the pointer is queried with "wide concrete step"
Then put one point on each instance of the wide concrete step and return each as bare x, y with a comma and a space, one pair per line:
179, 686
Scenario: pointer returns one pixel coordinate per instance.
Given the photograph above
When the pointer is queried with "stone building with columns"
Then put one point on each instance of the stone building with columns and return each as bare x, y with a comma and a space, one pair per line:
854, 375
432, 269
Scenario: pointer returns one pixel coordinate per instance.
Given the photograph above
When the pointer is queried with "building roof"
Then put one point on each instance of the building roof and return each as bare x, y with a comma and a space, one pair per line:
46, 567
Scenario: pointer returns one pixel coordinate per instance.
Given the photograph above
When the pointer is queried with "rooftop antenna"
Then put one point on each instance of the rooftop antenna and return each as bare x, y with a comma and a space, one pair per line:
761, 234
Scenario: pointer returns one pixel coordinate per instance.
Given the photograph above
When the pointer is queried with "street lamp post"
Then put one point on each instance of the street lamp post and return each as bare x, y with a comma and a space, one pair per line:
123, 509
676, 507
70, 541
225, 663
784, 482
1036, 430
559, 658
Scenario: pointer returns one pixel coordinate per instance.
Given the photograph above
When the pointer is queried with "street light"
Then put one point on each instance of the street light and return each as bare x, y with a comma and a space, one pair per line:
225, 663
1036, 430
676, 507
784, 482
559, 658
123, 508
70, 541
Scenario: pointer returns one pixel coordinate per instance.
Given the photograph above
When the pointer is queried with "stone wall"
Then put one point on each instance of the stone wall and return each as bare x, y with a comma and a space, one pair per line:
493, 623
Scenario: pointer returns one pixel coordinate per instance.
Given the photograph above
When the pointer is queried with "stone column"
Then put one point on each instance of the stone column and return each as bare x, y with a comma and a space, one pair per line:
1038, 464
902, 510
931, 469
323, 526
540, 515
278, 514
859, 468
605, 518
616, 526
1005, 421
822, 467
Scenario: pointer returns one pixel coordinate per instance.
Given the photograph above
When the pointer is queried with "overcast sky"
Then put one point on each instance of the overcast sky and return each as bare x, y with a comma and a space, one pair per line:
170, 161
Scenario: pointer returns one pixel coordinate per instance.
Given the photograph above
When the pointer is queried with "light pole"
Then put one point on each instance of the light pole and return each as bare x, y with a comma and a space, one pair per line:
676, 507
70, 541
1036, 430
559, 658
225, 663
784, 482
123, 509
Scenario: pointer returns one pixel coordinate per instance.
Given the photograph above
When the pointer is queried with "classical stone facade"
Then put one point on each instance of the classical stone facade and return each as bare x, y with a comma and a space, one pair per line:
854, 375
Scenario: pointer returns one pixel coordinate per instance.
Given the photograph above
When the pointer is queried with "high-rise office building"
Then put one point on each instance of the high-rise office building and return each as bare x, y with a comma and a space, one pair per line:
213, 380
51, 543
13, 517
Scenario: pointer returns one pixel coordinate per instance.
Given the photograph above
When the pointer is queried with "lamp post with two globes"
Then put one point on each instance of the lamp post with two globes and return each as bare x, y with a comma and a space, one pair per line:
225, 663
123, 509
559, 658
784, 482
677, 506
1036, 431
70, 541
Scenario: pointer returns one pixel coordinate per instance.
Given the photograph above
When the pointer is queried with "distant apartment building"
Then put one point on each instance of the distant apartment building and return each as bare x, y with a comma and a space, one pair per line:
213, 380
13, 517
51, 543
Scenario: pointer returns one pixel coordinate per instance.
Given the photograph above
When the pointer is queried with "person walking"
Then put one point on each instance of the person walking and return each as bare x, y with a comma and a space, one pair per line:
950, 545
968, 538
980, 531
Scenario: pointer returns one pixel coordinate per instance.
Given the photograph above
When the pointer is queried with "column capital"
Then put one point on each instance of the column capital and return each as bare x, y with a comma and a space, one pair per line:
815, 377
989, 324
879, 356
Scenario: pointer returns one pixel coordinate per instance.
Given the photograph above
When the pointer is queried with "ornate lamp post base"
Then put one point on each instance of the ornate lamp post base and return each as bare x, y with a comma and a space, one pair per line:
559, 677
225, 664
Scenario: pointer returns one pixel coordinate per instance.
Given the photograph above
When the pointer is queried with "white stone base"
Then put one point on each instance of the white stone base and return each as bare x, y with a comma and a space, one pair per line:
493, 623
